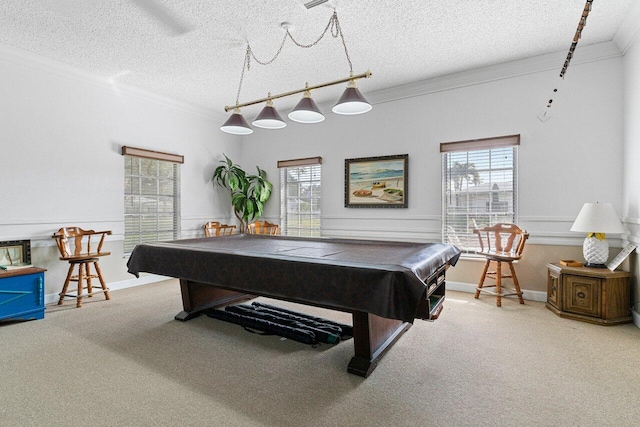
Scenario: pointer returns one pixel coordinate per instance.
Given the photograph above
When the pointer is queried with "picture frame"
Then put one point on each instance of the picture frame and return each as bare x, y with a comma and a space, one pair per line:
376, 182
15, 253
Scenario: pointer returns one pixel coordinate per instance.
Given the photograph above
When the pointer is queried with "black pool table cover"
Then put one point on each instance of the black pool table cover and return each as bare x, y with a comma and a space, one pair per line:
379, 277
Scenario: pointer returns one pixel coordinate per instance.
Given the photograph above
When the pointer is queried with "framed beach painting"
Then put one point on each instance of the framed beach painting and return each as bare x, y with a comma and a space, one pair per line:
376, 182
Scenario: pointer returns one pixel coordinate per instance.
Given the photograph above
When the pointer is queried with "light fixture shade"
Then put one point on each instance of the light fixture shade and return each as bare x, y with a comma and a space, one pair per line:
236, 125
351, 102
598, 218
269, 118
306, 111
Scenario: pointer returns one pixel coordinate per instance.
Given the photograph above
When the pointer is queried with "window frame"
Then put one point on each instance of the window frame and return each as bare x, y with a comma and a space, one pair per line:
313, 199
161, 162
475, 197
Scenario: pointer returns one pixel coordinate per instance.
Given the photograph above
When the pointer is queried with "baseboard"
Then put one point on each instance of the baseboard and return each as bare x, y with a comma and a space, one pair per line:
471, 288
114, 286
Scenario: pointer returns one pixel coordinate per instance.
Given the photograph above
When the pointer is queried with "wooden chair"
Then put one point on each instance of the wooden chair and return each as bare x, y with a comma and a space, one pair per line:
214, 228
263, 227
500, 243
83, 254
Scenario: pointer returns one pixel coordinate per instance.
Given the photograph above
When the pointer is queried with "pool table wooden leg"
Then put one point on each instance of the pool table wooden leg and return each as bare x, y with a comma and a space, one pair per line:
373, 336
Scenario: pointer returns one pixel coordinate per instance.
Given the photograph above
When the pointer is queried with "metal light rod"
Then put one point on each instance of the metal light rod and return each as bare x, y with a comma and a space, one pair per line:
366, 75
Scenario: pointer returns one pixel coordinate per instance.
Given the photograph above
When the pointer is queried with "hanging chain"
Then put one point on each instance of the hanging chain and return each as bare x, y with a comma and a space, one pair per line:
244, 66
338, 31
333, 25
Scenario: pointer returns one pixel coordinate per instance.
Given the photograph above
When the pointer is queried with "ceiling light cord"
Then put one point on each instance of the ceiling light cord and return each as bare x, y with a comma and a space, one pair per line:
545, 115
578, 35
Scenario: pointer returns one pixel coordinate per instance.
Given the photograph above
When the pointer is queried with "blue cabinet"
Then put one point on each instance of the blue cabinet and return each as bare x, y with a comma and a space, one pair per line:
22, 294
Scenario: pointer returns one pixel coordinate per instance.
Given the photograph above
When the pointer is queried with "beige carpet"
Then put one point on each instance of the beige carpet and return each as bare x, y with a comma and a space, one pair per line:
126, 362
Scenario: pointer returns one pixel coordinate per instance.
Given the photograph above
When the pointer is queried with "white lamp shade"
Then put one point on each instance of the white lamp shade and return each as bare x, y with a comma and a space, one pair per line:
598, 218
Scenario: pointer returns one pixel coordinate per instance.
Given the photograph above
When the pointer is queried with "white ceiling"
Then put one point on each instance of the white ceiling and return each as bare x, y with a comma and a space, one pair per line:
400, 41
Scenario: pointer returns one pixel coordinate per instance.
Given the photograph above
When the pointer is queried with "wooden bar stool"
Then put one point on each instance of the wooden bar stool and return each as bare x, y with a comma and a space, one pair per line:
263, 227
81, 256
214, 228
500, 243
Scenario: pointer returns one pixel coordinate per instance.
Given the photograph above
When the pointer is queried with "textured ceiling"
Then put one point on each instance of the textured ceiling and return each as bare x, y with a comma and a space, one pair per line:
193, 50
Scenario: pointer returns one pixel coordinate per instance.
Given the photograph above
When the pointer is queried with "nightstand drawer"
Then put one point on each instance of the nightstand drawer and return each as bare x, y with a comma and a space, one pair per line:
582, 295
553, 288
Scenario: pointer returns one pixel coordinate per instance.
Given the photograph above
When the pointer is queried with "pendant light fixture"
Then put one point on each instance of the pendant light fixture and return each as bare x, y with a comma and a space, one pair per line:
269, 118
306, 111
351, 102
236, 124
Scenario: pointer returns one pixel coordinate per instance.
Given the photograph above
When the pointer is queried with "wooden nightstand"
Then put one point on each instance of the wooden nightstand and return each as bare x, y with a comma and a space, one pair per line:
595, 295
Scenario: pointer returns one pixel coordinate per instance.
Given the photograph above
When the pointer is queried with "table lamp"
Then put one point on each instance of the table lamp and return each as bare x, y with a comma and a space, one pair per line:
597, 219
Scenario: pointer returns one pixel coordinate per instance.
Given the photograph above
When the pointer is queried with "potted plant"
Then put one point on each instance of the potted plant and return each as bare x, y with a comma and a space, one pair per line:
249, 193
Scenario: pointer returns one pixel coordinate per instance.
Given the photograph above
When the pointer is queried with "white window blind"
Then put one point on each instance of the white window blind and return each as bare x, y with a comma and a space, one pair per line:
300, 196
151, 197
479, 187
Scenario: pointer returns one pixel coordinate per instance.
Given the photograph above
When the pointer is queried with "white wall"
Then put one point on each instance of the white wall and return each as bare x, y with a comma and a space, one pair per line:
572, 158
628, 38
60, 139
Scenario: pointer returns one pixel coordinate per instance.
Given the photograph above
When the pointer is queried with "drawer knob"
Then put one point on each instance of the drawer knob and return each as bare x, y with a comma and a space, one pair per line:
581, 294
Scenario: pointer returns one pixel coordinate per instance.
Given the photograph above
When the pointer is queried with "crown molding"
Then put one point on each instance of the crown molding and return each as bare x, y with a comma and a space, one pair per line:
628, 30
22, 58
536, 64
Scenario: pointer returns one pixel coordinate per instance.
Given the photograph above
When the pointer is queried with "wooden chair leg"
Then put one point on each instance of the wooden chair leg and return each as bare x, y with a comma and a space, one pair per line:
102, 282
482, 277
515, 283
66, 283
80, 279
499, 283
87, 271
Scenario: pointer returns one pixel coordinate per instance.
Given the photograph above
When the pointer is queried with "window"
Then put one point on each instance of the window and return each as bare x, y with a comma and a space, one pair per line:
151, 197
300, 195
479, 187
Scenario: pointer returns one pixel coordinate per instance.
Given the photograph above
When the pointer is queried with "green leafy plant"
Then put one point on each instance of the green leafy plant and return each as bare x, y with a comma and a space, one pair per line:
249, 193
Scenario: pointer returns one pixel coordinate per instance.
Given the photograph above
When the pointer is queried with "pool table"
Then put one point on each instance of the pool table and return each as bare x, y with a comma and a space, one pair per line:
384, 285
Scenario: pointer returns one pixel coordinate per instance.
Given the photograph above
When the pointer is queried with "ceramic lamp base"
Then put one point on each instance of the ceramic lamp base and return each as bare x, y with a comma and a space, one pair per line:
595, 251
